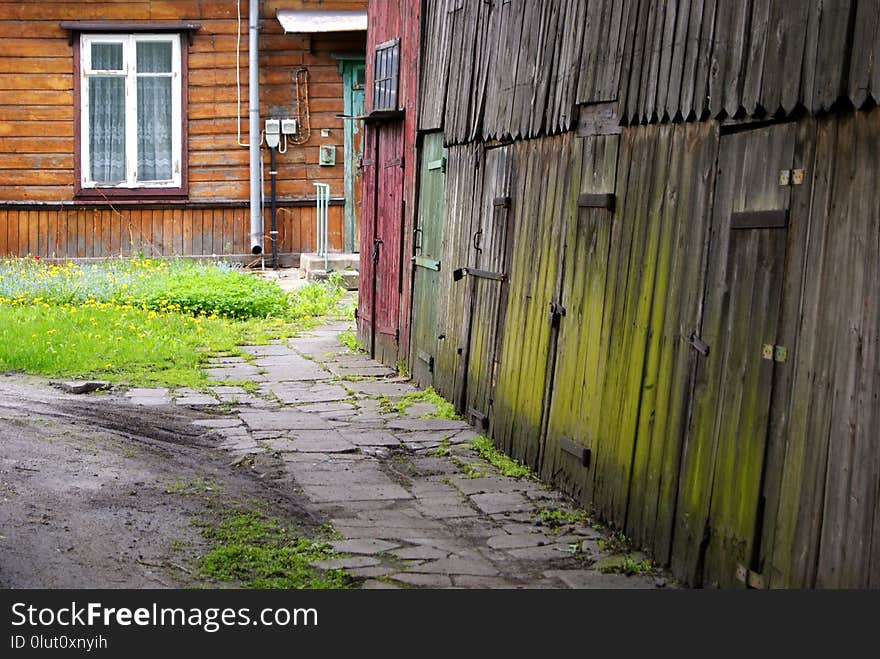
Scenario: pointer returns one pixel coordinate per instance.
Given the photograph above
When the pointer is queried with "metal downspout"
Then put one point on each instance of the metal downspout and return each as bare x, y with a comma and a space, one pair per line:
254, 127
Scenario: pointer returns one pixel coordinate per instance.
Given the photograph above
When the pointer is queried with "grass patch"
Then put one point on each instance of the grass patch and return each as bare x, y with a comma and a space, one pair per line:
442, 449
629, 566
143, 321
257, 551
615, 542
348, 339
504, 463
443, 409
249, 386
194, 486
558, 517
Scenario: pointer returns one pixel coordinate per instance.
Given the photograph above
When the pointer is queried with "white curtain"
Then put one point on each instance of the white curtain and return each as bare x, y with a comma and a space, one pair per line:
107, 116
154, 111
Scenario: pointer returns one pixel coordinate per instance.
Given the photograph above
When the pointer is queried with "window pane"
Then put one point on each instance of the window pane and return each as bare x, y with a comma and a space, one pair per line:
107, 129
154, 57
107, 57
154, 128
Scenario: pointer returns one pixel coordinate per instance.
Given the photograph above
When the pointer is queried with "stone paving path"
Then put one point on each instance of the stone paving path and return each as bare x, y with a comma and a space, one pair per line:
410, 515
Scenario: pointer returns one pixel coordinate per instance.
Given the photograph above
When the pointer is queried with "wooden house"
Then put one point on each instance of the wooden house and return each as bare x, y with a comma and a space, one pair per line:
389, 169
124, 125
653, 232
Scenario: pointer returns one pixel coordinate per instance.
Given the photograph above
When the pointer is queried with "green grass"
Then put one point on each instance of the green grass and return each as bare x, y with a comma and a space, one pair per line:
443, 449
443, 409
629, 566
348, 339
557, 517
257, 551
142, 321
505, 464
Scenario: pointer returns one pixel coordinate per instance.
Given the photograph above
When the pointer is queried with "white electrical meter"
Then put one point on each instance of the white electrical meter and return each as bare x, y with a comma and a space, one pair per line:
273, 133
288, 126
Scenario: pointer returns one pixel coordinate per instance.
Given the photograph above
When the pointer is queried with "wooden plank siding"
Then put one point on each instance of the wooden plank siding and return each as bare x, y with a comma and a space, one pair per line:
485, 76
89, 231
37, 114
686, 333
720, 462
390, 170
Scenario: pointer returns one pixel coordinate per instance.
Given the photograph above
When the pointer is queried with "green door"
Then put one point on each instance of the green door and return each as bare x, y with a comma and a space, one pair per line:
353, 99
426, 259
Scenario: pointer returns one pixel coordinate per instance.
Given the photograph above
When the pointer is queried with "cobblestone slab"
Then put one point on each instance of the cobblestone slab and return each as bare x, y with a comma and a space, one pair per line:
409, 517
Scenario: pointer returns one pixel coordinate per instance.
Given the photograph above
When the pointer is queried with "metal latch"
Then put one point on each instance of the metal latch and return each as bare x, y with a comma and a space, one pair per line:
698, 344
750, 578
557, 311
792, 176
774, 353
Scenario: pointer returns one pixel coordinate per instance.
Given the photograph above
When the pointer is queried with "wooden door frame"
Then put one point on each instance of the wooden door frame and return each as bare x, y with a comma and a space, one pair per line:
348, 64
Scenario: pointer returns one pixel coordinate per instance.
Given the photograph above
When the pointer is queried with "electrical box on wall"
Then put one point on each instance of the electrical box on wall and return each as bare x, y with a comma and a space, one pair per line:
273, 133
288, 126
327, 155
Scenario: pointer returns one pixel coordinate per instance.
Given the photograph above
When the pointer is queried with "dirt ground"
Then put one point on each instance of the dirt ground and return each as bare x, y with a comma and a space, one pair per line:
98, 493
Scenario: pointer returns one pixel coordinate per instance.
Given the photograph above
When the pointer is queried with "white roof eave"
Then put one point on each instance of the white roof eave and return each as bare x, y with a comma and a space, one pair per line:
307, 21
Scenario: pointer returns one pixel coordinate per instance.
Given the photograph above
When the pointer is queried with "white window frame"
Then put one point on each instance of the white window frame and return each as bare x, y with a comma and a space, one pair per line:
129, 60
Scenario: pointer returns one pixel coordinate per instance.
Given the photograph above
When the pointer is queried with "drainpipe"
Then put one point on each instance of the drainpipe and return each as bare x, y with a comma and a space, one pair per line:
254, 126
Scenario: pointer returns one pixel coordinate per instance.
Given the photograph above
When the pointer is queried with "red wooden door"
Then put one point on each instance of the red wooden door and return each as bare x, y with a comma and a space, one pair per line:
381, 241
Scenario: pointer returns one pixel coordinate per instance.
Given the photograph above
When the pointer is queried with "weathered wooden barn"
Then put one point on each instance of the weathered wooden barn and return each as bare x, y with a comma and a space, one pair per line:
648, 264
76, 180
389, 174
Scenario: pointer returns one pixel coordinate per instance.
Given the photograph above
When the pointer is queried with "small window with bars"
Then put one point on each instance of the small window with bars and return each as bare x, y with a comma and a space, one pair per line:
386, 75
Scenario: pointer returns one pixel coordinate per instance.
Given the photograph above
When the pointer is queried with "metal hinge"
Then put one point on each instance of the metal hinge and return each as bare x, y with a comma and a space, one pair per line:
774, 353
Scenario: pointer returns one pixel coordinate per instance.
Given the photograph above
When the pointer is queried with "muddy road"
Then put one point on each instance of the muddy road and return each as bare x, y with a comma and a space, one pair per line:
98, 493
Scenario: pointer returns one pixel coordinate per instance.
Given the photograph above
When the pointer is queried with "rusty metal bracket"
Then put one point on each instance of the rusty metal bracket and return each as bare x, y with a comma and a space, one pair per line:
460, 273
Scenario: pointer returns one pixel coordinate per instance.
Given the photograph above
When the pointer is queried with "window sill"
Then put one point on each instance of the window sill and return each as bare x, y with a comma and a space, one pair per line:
92, 195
